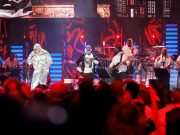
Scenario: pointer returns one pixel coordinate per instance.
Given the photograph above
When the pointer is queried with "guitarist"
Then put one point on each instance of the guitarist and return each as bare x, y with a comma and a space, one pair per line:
118, 66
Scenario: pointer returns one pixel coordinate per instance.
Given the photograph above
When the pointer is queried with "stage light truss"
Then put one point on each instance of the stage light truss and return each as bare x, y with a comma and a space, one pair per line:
166, 8
120, 7
151, 8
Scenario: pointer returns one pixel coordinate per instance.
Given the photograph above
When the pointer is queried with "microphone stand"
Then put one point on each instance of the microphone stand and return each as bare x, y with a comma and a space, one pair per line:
27, 73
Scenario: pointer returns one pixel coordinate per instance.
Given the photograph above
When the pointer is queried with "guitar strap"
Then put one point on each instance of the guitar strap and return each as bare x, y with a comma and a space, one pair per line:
121, 58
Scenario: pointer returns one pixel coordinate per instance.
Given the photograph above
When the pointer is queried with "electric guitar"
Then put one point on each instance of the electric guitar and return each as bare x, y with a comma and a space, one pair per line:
115, 67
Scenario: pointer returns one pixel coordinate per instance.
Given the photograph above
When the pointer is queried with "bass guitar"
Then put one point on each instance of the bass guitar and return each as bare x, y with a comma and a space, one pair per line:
115, 70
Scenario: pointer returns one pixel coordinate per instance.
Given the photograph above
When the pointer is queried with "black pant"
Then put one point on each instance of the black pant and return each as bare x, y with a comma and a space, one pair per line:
164, 79
121, 75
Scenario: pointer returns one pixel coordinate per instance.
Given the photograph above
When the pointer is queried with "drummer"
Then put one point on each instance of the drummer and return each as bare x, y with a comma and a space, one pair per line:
12, 64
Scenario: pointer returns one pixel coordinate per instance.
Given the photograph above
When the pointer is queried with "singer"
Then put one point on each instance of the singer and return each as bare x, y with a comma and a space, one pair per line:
41, 60
85, 62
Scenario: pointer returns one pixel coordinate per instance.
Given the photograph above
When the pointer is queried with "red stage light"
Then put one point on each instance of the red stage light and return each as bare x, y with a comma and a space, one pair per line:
117, 36
153, 36
152, 58
104, 43
82, 36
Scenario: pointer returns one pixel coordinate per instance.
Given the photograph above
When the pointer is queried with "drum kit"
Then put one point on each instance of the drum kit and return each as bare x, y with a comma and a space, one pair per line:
147, 61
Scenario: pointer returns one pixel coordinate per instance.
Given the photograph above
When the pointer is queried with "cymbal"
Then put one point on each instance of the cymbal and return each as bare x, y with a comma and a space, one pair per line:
159, 46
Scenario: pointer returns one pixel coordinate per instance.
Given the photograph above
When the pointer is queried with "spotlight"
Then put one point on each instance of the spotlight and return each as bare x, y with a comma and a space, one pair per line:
104, 43
117, 36
152, 58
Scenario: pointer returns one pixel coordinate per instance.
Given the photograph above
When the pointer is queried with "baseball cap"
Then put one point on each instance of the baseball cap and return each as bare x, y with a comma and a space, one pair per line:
37, 46
88, 47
